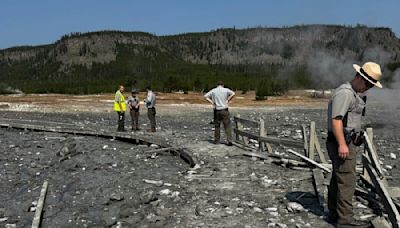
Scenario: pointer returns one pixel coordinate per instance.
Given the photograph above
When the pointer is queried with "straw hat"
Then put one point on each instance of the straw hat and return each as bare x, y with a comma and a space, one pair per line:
371, 72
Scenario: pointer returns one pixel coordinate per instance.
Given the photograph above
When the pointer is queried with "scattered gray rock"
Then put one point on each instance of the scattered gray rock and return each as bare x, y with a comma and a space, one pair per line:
116, 196
294, 207
147, 197
156, 183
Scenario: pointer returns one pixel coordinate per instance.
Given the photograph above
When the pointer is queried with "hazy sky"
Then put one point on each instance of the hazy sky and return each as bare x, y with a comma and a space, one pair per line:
33, 22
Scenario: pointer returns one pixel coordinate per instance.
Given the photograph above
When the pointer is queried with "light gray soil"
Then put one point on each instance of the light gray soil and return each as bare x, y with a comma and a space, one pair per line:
103, 184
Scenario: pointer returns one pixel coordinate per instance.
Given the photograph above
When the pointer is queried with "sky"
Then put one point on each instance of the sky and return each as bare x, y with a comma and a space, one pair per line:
35, 22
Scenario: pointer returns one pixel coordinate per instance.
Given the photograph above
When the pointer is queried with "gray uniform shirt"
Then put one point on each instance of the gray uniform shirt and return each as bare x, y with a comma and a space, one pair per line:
345, 101
133, 101
150, 99
219, 96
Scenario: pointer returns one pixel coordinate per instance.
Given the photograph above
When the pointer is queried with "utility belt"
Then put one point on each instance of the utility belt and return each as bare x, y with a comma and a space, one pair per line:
152, 108
225, 109
349, 136
134, 110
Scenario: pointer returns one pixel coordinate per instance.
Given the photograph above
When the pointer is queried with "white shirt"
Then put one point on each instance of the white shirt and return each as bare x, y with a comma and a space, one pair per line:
219, 96
151, 99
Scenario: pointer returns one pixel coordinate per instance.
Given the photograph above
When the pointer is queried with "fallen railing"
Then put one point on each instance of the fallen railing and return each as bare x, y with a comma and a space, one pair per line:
371, 172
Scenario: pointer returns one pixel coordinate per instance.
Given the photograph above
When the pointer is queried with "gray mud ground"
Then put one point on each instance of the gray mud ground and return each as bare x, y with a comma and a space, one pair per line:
103, 185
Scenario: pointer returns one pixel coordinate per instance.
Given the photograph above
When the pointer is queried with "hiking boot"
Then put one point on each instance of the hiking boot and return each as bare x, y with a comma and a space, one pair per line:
332, 218
151, 130
229, 144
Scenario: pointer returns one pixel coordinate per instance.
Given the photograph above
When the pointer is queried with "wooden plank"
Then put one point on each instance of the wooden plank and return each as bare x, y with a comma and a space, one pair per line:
318, 148
262, 134
246, 134
312, 141
373, 156
268, 139
286, 142
39, 207
319, 186
394, 192
277, 159
383, 193
305, 139
247, 123
380, 222
160, 150
236, 126
269, 148
240, 127
312, 162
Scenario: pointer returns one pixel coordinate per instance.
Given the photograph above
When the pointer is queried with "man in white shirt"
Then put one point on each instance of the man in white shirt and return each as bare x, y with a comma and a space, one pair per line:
219, 97
150, 102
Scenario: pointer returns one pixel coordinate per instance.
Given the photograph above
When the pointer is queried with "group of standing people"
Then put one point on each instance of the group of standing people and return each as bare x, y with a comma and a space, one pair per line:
345, 110
133, 103
219, 97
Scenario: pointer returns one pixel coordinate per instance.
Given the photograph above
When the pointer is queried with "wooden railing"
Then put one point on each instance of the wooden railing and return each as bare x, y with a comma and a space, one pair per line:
372, 173
264, 141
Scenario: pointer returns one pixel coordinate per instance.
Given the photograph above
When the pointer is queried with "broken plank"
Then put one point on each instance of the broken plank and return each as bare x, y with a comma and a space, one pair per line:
250, 123
373, 156
303, 127
39, 207
312, 162
69, 156
312, 141
380, 222
394, 192
318, 148
319, 186
160, 150
385, 197
286, 142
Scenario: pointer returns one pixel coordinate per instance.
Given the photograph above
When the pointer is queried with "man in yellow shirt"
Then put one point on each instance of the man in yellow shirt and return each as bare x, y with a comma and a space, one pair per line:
120, 107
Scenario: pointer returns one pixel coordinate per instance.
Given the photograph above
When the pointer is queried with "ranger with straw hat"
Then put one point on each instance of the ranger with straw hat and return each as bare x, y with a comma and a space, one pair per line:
345, 110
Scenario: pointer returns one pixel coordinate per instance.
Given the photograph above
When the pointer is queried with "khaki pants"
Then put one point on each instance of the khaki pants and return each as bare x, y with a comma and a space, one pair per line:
151, 113
135, 119
342, 185
224, 117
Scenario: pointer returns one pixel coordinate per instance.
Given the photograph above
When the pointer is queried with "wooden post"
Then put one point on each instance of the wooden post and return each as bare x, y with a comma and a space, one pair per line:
312, 141
318, 147
263, 133
305, 139
236, 125
39, 208
240, 127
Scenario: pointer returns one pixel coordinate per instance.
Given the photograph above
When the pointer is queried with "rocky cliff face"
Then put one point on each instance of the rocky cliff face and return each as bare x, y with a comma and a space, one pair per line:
224, 46
315, 55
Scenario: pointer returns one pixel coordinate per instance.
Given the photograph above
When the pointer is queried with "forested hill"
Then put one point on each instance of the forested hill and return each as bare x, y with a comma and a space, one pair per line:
313, 56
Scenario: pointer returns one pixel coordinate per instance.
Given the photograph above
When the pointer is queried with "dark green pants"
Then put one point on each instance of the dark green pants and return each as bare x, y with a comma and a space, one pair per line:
151, 113
224, 117
342, 185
